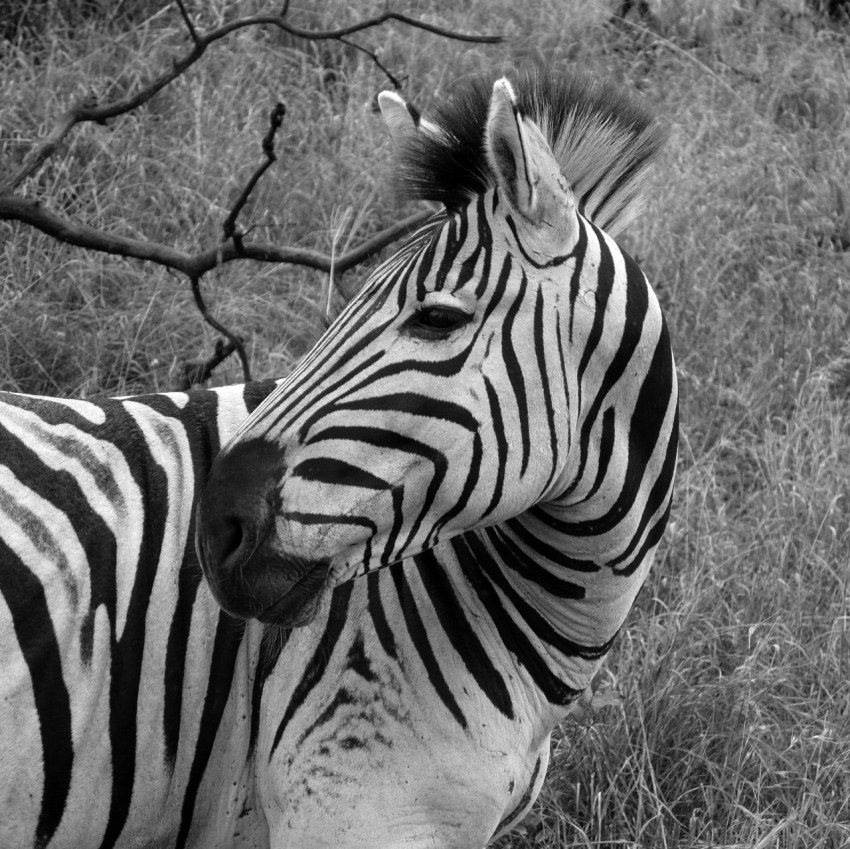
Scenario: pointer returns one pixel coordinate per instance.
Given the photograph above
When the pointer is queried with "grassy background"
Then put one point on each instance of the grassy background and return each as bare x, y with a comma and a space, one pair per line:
724, 716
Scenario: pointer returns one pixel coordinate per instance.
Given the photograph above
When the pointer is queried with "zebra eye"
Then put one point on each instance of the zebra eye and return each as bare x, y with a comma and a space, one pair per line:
436, 322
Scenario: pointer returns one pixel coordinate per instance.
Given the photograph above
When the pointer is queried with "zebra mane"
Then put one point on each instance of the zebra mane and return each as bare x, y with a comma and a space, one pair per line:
603, 140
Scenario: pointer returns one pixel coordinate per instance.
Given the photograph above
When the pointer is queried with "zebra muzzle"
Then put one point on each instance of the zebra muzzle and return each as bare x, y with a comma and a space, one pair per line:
249, 573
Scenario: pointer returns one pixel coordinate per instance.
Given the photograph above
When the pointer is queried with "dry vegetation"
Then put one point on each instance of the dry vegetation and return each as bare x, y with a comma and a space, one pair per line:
727, 720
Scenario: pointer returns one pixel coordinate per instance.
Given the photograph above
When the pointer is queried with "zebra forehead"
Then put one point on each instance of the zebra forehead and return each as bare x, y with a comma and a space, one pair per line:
602, 138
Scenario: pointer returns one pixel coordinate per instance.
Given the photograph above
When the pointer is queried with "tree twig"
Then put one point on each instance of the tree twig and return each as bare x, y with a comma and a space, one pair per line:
200, 371
275, 120
396, 84
188, 21
234, 341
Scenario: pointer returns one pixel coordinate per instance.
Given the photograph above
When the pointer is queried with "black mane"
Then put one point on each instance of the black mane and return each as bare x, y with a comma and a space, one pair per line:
601, 137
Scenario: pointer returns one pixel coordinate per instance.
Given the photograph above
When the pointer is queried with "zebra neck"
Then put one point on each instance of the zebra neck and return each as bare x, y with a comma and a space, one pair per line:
554, 612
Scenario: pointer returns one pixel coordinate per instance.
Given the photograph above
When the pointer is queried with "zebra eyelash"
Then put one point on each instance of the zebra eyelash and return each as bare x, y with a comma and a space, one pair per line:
435, 321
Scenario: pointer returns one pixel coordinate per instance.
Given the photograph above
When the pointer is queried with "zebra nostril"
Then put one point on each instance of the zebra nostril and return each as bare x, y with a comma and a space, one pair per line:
228, 541
228, 537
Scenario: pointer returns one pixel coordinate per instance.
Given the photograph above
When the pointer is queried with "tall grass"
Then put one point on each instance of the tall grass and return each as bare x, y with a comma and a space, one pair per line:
724, 714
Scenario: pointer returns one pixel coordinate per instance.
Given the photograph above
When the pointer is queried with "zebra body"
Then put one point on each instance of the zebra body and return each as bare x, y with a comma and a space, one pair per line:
488, 432
125, 692
135, 713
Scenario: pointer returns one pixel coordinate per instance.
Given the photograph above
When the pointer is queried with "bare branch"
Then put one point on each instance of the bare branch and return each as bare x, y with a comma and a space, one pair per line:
34, 213
275, 120
188, 21
41, 153
369, 23
200, 371
374, 57
234, 341
90, 110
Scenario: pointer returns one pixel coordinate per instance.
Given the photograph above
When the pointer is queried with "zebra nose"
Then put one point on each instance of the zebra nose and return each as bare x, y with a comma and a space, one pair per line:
230, 531
236, 513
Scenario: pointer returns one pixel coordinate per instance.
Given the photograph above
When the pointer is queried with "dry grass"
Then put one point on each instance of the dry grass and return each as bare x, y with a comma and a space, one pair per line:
729, 715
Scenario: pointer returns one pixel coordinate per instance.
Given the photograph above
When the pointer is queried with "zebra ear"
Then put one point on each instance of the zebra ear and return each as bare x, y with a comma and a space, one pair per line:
524, 166
403, 120
400, 120
506, 143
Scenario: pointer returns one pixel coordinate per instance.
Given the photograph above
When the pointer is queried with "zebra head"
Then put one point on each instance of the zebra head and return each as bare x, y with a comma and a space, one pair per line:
479, 372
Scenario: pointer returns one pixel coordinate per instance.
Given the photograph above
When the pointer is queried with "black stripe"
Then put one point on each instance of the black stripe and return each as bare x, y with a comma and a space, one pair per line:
272, 644
413, 369
397, 493
376, 610
637, 303
128, 651
472, 554
199, 418
358, 662
388, 439
566, 419
472, 474
455, 241
580, 251
315, 669
514, 369
485, 240
24, 596
541, 626
501, 460
417, 405
604, 281
175, 659
545, 549
461, 633
540, 351
329, 470
419, 636
516, 559
425, 262
652, 539
647, 422
551, 263
660, 490
606, 450
525, 800
499, 289
228, 637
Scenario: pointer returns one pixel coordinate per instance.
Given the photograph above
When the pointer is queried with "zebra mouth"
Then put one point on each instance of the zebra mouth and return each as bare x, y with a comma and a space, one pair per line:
300, 603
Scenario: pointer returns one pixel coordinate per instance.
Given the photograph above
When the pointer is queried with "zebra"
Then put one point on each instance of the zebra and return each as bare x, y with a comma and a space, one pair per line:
486, 439
126, 694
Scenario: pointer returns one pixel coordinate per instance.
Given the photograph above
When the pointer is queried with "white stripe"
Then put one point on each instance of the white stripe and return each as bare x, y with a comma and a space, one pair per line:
104, 476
